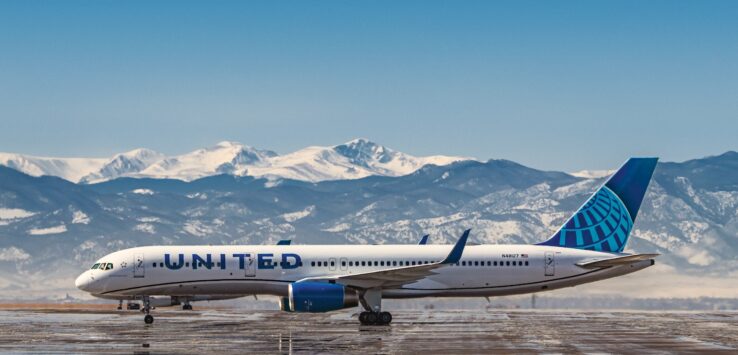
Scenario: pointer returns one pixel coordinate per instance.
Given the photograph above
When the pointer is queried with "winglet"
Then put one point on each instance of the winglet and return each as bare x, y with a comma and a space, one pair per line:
424, 240
284, 242
455, 255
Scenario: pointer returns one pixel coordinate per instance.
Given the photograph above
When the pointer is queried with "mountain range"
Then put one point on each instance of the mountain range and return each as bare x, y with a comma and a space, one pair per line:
352, 160
51, 228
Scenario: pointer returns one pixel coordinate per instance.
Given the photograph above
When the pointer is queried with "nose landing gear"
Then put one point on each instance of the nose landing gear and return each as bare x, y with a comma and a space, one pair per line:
148, 318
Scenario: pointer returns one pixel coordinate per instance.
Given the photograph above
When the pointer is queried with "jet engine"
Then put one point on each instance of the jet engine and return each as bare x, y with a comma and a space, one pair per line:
318, 297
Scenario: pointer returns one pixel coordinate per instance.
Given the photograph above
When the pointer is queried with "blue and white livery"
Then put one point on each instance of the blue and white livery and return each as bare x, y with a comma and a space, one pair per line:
322, 278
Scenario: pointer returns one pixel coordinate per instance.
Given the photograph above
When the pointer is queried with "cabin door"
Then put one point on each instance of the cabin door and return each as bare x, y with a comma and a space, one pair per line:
250, 266
549, 264
138, 265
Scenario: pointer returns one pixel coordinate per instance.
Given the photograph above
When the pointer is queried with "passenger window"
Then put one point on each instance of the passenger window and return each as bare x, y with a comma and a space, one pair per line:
476, 263
154, 265
489, 263
351, 263
320, 263
463, 263
333, 263
494, 263
312, 263
161, 264
343, 263
513, 263
394, 263
508, 263
187, 264
381, 263
526, 263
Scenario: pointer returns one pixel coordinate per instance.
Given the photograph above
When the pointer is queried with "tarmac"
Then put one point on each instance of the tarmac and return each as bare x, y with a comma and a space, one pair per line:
102, 329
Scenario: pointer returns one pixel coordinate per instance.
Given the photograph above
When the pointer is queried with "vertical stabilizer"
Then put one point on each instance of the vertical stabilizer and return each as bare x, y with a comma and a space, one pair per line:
605, 221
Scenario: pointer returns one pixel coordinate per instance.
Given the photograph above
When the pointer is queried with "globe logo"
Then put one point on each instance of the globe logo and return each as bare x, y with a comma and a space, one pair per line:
602, 224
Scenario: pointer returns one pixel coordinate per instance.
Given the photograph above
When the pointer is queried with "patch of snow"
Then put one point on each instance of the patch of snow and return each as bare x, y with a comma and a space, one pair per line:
341, 227
149, 219
51, 230
143, 192
145, 227
13, 254
197, 228
294, 216
13, 213
80, 217
592, 174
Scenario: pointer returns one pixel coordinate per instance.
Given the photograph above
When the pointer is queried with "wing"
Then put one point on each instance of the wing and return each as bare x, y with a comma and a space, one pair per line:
619, 260
395, 277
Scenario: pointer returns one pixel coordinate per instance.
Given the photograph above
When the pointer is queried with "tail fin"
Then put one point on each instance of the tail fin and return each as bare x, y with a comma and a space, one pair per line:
604, 222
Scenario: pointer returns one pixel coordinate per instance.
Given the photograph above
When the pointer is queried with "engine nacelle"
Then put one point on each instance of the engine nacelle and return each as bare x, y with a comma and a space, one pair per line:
163, 301
284, 304
320, 297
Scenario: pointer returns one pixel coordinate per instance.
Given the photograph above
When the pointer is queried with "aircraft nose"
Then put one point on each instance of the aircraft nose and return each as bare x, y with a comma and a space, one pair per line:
83, 281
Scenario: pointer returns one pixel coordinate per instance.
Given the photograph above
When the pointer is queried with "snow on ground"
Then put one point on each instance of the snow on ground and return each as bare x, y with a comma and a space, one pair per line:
291, 217
197, 228
592, 174
13, 254
341, 227
143, 192
13, 213
51, 230
80, 217
145, 227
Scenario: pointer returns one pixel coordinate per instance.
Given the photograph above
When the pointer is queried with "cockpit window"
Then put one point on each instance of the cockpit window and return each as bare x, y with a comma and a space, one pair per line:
109, 267
95, 266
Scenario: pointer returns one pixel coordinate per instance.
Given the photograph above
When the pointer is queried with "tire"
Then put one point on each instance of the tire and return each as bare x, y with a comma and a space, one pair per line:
371, 318
385, 318
148, 319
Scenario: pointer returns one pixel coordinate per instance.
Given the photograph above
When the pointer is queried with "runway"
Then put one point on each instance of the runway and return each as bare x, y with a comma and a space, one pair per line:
77, 330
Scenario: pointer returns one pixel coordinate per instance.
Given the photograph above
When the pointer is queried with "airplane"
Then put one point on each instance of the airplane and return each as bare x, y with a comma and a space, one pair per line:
322, 278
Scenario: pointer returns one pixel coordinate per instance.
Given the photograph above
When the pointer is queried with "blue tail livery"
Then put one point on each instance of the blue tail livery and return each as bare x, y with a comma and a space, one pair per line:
605, 221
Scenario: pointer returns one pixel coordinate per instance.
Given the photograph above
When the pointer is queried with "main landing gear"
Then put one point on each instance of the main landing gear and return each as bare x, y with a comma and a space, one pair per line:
187, 306
371, 300
148, 318
375, 318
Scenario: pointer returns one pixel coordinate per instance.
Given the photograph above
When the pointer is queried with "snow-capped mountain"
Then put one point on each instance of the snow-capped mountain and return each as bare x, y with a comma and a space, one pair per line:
352, 160
47, 223
223, 158
124, 164
72, 169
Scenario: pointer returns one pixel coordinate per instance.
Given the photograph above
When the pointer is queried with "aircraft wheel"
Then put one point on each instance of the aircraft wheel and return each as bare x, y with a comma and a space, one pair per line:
187, 307
385, 318
148, 319
362, 318
370, 318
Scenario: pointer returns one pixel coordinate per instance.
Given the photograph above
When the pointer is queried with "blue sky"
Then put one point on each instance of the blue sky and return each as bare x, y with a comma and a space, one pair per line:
562, 85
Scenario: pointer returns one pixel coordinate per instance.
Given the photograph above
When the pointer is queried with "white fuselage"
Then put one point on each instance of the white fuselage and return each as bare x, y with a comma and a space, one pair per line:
484, 270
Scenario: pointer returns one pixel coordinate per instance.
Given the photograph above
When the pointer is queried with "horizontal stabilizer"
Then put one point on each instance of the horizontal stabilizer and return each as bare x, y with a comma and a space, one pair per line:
620, 260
